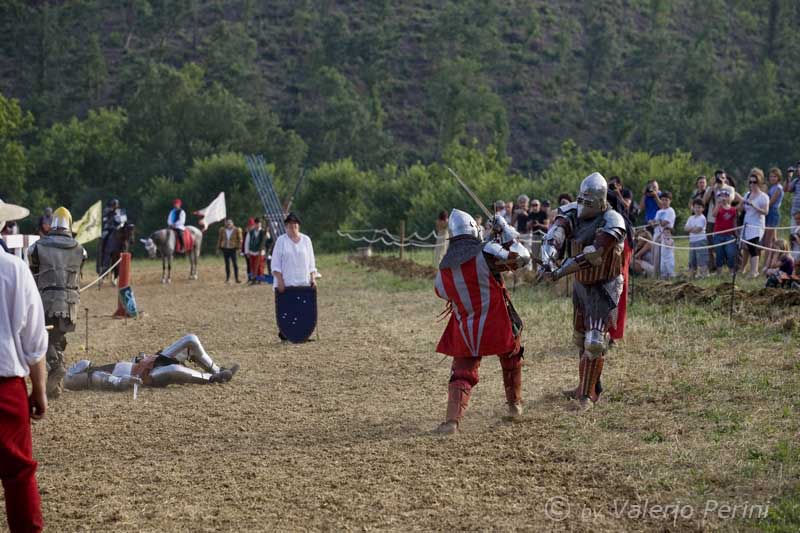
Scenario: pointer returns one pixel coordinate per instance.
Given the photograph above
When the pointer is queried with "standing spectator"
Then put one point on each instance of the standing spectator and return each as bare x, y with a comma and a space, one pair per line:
781, 269
230, 241
23, 344
441, 238
509, 211
725, 233
620, 198
664, 224
755, 207
254, 244
696, 227
251, 222
775, 193
43, 225
537, 219
710, 202
519, 219
700, 186
293, 263
565, 198
649, 204
551, 213
499, 209
793, 187
481, 230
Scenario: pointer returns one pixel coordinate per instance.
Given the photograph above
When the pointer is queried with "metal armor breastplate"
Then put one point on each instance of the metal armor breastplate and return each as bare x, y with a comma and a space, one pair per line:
585, 234
57, 280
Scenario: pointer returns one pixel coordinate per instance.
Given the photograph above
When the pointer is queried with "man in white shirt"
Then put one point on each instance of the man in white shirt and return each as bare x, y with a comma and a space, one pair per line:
23, 344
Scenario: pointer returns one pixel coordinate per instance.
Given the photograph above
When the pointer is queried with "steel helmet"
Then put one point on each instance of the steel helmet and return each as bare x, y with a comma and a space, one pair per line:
592, 196
461, 223
62, 219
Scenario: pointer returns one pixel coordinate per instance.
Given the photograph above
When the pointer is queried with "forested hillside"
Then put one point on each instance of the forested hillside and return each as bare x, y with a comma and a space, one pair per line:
134, 92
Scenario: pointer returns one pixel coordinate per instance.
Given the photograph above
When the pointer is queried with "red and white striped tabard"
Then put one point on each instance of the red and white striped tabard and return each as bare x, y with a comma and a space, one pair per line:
479, 324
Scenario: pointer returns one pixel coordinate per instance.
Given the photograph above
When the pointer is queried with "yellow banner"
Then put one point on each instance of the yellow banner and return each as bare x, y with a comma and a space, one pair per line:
88, 228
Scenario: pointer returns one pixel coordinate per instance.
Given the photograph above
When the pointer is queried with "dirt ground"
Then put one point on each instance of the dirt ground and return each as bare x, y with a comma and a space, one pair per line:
335, 434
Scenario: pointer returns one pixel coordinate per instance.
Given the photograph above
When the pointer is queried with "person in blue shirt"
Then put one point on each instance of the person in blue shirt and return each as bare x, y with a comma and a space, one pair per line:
649, 205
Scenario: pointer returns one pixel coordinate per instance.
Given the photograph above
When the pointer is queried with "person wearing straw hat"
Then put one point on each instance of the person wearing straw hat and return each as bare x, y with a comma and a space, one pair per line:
9, 213
56, 261
23, 343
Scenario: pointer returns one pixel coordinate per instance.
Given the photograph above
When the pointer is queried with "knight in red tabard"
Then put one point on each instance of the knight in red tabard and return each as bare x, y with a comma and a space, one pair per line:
482, 320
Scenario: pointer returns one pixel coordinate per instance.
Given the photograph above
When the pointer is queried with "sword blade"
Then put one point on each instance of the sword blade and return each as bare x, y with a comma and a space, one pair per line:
471, 194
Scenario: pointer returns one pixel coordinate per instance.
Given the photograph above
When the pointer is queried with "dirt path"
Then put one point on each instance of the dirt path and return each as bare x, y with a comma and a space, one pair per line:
336, 434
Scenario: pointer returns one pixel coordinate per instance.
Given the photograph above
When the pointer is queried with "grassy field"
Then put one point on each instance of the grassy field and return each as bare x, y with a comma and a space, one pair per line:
698, 428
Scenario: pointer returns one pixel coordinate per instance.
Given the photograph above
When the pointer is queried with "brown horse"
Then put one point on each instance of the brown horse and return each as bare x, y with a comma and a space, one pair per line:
118, 241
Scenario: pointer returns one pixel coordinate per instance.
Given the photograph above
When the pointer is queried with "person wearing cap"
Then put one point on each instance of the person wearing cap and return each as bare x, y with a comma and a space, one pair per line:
23, 344
293, 263
55, 261
176, 220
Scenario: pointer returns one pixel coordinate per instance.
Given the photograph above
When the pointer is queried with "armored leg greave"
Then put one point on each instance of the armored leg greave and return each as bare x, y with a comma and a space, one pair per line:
189, 347
458, 393
176, 374
590, 371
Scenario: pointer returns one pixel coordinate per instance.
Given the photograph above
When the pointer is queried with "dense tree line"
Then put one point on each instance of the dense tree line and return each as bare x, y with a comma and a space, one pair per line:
145, 99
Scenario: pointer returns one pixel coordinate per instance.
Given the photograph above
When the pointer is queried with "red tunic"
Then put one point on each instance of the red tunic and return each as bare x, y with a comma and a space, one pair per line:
618, 330
479, 324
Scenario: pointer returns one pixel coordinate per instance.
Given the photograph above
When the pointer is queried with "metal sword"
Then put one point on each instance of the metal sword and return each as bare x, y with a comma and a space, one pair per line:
471, 194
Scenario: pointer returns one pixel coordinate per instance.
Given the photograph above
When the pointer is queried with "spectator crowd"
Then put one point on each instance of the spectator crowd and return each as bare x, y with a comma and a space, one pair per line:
727, 229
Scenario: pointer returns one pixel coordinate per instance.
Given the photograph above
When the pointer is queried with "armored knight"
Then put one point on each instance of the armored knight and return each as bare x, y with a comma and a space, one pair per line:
591, 235
482, 320
55, 261
114, 218
167, 367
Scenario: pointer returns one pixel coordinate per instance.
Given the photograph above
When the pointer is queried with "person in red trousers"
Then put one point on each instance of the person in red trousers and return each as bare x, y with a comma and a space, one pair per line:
23, 344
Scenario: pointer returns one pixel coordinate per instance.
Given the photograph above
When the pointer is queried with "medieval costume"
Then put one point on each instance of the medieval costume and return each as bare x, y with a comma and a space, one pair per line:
482, 320
592, 236
167, 367
176, 221
114, 218
256, 240
56, 261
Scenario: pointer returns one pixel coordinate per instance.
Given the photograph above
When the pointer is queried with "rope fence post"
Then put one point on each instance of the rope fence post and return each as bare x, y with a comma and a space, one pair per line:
402, 237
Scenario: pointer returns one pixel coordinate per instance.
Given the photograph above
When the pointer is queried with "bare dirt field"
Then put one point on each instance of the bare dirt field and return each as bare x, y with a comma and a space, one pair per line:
700, 415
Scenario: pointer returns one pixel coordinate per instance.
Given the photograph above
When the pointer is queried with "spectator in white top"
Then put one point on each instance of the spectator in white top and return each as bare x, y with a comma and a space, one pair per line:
696, 228
664, 224
293, 262
23, 343
756, 207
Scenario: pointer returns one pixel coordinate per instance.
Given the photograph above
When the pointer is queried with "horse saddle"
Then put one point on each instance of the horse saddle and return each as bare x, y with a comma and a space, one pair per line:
188, 242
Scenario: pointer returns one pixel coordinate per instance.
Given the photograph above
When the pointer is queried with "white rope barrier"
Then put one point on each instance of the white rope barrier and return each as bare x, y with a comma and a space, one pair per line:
101, 276
662, 245
748, 243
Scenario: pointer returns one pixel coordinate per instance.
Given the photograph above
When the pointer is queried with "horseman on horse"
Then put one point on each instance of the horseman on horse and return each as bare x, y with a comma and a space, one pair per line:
116, 236
176, 221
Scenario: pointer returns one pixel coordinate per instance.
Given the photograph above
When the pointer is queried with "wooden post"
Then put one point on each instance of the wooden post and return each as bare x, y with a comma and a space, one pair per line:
86, 343
402, 237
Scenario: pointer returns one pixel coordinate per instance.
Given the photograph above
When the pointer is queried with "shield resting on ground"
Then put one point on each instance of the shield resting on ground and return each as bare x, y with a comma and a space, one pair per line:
296, 312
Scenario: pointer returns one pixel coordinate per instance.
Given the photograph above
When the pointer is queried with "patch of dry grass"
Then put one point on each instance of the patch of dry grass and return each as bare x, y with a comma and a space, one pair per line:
336, 433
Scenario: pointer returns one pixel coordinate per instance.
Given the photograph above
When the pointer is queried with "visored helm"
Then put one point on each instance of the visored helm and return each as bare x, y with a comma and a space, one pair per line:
461, 223
62, 219
592, 196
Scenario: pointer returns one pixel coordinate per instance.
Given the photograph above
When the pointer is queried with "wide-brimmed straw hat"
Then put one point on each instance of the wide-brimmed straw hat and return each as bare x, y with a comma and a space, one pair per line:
12, 212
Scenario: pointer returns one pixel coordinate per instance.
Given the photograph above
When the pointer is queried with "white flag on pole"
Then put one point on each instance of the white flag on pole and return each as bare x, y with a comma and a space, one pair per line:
213, 213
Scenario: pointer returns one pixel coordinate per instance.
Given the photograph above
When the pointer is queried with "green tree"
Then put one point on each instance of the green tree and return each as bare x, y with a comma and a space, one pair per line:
14, 123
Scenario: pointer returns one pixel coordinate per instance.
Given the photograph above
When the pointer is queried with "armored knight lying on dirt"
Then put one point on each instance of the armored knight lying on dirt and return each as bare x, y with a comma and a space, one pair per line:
167, 367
